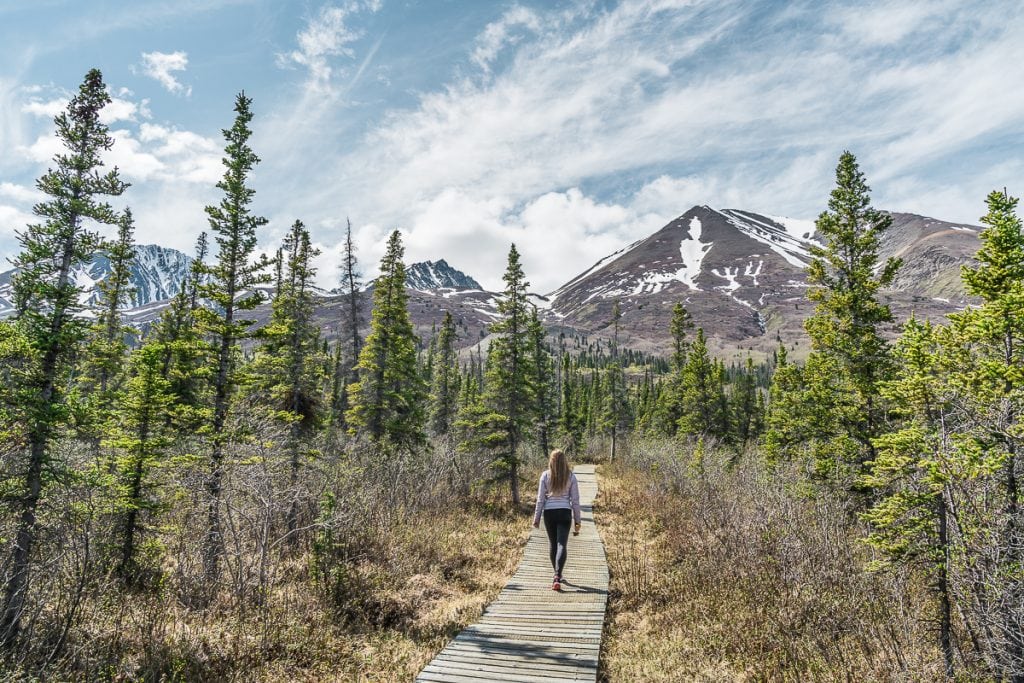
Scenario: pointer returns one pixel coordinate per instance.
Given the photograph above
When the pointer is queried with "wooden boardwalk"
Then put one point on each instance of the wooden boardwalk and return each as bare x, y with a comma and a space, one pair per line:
530, 633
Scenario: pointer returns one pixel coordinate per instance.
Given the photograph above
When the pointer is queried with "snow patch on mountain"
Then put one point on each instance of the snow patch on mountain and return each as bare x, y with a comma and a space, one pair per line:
692, 251
798, 228
776, 236
597, 266
752, 272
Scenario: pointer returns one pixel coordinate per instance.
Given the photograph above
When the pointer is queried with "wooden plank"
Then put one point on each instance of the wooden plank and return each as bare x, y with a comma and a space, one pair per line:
530, 633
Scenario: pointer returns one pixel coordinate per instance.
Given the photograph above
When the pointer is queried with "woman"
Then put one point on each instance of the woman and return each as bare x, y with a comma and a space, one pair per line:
558, 498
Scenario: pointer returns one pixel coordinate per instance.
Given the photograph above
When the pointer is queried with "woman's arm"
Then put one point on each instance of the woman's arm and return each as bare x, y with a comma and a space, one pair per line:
541, 495
574, 499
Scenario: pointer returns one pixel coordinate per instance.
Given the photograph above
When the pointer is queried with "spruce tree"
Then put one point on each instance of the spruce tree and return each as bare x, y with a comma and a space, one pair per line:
287, 365
991, 374
444, 391
349, 341
105, 353
543, 390
746, 409
185, 358
509, 390
702, 396
388, 402
47, 310
913, 469
231, 289
848, 318
613, 408
669, 407
141, 435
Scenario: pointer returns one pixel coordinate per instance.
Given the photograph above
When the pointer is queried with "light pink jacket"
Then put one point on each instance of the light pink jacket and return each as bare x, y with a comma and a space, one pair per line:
566, 500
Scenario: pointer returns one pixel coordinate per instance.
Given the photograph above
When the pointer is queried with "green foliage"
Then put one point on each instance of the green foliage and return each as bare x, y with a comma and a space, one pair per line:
230, 287
186, 355
445, 387
838, 409
48, 308
389, 400
140, 437
704, 410
509, 393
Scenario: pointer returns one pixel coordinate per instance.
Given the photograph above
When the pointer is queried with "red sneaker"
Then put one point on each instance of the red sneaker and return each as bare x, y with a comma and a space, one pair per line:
556, 585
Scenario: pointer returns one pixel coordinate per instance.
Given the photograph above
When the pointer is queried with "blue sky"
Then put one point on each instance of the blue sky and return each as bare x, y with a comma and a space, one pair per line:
570, 128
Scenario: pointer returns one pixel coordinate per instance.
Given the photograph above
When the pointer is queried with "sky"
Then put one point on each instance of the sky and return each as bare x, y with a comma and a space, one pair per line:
568, 127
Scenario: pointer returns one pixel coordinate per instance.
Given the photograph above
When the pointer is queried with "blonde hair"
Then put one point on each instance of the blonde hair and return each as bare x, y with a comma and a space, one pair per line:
558, 467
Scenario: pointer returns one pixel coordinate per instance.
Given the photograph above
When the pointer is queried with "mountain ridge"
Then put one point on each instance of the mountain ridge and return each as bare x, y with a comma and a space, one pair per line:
740, 273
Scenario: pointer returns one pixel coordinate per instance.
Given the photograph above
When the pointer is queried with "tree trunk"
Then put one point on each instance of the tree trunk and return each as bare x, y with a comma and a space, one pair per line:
945, 629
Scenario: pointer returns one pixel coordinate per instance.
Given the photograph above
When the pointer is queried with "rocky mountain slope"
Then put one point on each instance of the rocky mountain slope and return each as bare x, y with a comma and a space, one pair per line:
431, 275
156, 276
742, 276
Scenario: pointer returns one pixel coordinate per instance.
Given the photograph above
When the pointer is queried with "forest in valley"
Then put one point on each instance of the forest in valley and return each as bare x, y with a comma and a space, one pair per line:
208, 499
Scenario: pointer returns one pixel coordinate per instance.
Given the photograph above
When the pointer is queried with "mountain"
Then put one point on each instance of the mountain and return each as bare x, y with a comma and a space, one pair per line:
431, 275
157, 274
742, 276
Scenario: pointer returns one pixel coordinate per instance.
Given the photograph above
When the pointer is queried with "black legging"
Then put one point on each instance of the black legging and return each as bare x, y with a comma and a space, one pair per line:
557, 523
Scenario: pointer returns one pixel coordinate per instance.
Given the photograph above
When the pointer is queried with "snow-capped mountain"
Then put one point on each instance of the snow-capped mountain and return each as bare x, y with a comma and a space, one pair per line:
742, 276
157, 274
428, 275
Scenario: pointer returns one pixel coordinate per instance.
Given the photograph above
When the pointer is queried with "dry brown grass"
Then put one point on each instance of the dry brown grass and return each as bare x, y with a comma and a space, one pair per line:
417, 554
428, 576
743, 574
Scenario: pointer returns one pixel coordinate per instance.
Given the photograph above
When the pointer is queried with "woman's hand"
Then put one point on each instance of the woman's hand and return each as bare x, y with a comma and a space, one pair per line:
576, 530
536, 525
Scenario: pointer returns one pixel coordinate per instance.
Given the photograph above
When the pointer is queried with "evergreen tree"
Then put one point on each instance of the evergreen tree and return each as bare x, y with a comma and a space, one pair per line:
141, 435
913, 468
105, 354
388, 401
47, 309
231, 291
287, 366
746, 409
614, 405
669, 409
349, 342
990, 361
184, 363
572, 422
702, 397
444, 392
106, 347
846, 325
509, 390
543, 389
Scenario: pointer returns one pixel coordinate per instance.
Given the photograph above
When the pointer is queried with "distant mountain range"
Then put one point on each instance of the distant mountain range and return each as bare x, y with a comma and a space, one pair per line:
157, 274
741, 274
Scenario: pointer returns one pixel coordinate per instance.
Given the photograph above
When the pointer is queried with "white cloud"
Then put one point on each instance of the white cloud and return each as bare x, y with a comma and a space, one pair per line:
887, 23
600, 99
161, 66
20, 193
328, 34
45, 109
122, 109
12, 220
500, 34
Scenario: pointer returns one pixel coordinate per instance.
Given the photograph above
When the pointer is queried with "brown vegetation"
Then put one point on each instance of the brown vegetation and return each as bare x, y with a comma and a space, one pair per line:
376, 584
723, 573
